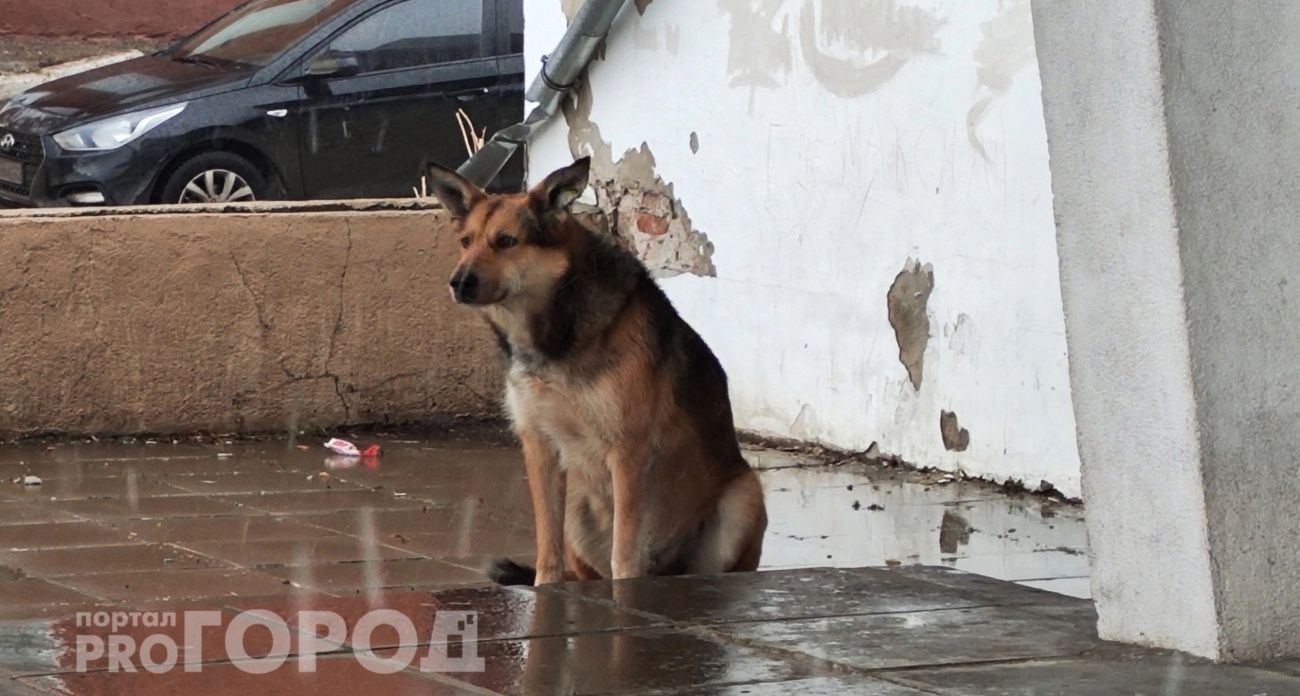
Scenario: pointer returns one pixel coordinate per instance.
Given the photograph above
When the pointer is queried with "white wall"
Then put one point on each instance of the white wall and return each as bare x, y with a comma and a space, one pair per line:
830, 154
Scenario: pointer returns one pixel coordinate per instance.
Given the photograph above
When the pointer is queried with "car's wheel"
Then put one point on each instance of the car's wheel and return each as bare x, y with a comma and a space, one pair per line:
215, 177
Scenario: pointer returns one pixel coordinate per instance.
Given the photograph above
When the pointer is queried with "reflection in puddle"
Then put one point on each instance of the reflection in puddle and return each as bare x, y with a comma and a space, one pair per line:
857, 515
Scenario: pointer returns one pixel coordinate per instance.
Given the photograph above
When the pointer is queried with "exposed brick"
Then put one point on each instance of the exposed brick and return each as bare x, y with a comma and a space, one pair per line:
651, 224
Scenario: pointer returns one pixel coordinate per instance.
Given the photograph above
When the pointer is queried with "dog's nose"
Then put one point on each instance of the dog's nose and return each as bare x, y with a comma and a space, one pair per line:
464, 286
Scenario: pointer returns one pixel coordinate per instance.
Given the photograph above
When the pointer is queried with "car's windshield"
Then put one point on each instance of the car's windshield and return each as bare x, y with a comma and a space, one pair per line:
256, 33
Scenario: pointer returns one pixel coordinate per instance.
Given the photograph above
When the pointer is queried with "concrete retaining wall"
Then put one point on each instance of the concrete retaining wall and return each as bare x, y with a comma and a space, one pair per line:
278, 316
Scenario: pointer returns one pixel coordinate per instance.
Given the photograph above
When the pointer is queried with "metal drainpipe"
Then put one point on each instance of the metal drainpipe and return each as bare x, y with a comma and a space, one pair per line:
559, 74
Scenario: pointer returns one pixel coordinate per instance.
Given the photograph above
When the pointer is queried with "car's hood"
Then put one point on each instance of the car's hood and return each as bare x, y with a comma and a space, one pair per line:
114, 89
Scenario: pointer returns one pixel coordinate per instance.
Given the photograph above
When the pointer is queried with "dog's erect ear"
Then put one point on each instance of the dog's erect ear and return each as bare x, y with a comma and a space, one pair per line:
454, 191
563, 186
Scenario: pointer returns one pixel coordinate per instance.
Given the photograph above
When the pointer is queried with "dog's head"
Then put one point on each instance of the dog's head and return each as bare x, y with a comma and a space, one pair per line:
513, 246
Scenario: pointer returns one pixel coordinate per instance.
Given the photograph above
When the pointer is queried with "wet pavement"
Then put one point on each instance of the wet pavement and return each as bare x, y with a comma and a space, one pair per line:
876, 580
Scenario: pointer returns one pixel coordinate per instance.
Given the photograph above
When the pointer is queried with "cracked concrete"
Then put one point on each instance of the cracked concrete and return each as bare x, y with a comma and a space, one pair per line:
123, 323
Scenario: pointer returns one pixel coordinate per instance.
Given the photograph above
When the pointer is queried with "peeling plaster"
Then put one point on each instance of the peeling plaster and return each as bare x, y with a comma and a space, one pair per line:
907, 301
1007, 47
643, 211
955, 437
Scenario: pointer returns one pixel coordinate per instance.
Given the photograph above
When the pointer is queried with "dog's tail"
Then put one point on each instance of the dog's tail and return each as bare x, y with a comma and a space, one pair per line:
506, 572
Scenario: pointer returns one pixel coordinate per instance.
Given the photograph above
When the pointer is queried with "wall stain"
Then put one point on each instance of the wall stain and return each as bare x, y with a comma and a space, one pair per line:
961, 338
642, 4
1006, 48
695, 143
642, 210
801, 429
571, 8
955, 437
863, 30
760, 51
907, 301
673, 38
645, 37
852, 47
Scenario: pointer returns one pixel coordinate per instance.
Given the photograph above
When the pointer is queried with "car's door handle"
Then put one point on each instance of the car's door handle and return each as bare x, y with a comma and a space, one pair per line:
469, 94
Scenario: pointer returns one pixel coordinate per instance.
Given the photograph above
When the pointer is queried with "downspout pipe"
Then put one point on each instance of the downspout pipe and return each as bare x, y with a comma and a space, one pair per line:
560, 72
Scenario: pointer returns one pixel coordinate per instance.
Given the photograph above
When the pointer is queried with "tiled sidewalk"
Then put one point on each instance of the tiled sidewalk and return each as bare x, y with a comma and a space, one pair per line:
282, 527
897, 632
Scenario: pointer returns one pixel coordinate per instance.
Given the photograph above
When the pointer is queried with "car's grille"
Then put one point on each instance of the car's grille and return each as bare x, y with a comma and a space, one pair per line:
26, 149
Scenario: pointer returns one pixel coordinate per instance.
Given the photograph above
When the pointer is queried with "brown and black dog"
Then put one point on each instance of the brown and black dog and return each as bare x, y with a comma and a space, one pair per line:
622, 410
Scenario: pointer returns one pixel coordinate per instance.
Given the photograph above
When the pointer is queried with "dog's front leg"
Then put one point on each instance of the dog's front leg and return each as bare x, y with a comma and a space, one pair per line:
631, 555
547, 485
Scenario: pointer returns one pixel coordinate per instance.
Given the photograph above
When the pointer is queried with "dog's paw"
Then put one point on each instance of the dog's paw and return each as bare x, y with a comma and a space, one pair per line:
507, 572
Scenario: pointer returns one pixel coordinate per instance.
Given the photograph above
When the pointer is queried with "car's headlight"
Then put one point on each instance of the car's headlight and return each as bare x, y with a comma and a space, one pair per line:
112, 133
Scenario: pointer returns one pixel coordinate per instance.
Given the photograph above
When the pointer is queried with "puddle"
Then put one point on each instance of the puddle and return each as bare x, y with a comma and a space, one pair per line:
859, 515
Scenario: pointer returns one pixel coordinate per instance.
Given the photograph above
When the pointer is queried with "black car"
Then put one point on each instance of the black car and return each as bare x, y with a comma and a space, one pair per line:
296, 99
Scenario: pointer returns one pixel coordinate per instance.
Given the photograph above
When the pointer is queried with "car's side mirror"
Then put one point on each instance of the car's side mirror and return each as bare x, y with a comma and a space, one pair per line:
332, 66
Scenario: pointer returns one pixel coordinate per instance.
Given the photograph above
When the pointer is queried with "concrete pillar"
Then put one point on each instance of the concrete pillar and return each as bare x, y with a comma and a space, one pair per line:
1174, 134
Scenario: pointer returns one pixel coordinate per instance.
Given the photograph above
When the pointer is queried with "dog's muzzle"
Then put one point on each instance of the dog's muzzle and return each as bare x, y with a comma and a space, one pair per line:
465, 286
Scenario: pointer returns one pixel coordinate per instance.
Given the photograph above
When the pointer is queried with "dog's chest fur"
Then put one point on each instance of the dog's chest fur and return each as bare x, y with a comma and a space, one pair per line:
581, 419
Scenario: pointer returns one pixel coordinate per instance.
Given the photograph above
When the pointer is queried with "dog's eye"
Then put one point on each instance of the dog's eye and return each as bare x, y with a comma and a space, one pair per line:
464, 242
505, 242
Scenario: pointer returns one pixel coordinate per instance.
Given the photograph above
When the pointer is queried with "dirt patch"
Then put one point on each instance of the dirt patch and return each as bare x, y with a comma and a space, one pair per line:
24, 54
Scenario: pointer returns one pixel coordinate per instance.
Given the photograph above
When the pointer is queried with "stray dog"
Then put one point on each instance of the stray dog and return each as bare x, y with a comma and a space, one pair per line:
621, 408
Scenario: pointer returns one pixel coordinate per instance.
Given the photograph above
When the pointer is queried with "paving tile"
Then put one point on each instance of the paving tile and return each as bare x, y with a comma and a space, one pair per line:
144, 508
50, 646
358, 577
18, 511
334, 676
331, 500
125, 487
102, 559
1154, 674
855, 685
258, 482
986, 590
911, 639
1070, 587
500, 613
502, 543
389, 526
19, 614
480, 564
785, 594
119, 461
287, 552
51, 535
20, 591
246, 526
178, 584
624, 662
